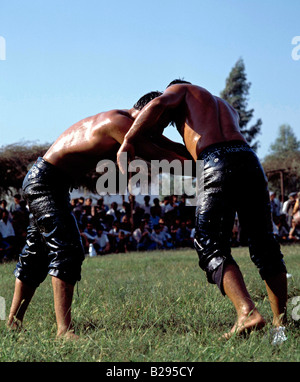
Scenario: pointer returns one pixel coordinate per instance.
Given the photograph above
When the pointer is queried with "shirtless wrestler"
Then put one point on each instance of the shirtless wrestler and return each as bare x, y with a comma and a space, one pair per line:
53, 244
234, 181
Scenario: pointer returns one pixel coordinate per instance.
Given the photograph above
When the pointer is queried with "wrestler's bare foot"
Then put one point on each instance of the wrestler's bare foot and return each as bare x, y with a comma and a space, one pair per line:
246, 323
14, 324
67, 335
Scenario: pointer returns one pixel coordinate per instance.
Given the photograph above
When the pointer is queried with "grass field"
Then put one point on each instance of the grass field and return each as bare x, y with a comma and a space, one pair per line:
154, 306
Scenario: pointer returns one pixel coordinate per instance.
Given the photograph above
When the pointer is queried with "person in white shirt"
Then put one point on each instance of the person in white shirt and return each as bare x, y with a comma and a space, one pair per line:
101, 242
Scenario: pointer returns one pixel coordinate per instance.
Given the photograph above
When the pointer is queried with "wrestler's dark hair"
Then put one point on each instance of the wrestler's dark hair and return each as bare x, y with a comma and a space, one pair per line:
146, 99
174, 82
178, 81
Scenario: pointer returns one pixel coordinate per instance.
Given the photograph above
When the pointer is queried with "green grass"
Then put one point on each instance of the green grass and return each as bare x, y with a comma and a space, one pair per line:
154, 306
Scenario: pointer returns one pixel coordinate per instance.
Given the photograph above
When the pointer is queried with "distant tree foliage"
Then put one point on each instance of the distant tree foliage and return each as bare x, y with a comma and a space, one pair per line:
284, 155
285, 143
236, 94
15, 161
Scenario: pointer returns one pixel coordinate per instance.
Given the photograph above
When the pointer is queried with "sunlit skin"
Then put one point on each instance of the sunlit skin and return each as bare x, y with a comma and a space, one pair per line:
202, 120
98, 137
199, 109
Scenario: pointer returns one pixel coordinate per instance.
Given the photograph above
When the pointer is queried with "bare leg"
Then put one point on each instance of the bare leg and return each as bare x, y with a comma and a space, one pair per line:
21, 299
63, 295
248, 317
277, 292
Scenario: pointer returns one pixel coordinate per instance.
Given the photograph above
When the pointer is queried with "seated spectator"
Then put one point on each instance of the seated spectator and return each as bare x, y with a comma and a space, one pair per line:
90, 232
163, 226
7, 231
137, 216
183, 236
20, 222
174, 228
114, 235
282, 229
101, 242
294, 234
162, 239
121, 246
84, 240
143, 238
125, 224
146, 206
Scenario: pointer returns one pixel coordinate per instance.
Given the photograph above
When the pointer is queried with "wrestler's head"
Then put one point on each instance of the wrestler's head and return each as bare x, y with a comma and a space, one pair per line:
177, 114
146, 99
178, 81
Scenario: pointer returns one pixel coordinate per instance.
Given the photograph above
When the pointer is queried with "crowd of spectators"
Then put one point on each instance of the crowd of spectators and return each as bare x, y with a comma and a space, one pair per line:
133, 226
286, 217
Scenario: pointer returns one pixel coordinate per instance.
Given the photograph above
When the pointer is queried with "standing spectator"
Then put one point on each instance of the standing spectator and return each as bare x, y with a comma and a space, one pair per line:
154, 218
296, 211
275, 205
174, 228
121, 243
146, 206
15, 206
288, 207
87, 208
3, 206
166, 206
5, 250
7, 231
157, 207
113, 211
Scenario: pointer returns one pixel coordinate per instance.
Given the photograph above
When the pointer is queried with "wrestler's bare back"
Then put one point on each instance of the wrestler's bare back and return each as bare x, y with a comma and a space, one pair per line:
209, 120
86, 142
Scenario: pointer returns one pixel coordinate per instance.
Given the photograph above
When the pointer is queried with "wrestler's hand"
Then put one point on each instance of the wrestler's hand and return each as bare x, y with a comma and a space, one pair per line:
122, 158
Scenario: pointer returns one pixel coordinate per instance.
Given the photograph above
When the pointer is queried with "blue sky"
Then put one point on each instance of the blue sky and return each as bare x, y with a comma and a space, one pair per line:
68, 59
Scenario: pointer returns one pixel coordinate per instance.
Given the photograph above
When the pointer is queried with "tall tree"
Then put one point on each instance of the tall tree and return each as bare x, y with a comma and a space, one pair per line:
236, 94
286, 141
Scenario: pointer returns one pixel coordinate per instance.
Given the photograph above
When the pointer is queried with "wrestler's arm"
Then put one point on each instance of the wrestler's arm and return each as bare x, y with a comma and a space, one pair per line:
177, 147
152, 120
145, 148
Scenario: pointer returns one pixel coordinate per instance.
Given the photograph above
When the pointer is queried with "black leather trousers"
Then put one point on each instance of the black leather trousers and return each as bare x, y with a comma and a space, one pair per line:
53, 243
234, 182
